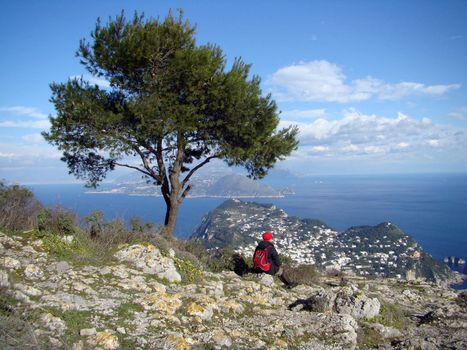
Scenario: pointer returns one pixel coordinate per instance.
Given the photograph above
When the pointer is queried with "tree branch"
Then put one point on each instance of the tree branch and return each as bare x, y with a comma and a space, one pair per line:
133, 167
193, 170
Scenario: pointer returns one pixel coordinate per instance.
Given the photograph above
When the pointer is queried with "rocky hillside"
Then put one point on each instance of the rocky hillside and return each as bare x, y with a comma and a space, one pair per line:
383, 250
147, 297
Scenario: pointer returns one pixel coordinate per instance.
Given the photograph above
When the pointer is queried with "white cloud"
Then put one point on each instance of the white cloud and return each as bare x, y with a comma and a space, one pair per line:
303, 114
325, 81
358, 135
26, 111
39, 124
460, 114
33, 138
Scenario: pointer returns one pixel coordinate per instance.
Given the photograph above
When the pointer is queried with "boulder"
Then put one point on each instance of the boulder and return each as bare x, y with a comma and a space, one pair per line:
150, 260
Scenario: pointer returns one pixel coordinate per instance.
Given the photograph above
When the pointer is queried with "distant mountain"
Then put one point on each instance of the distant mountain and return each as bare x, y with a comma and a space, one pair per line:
214, 183
382, 250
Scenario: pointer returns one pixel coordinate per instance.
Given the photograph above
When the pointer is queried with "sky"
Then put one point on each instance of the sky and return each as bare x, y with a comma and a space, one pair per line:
375, 87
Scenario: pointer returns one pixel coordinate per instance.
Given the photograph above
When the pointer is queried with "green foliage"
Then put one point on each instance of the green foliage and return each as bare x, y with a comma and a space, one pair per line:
391, 315
18, 208
171, 104
57, 220
189, 272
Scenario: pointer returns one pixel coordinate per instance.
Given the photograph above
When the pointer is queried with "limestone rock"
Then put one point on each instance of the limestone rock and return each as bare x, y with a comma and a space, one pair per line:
106, 340
10, 263
33, 272
87, 332
175, 342
150, 260
54, 324
4, 282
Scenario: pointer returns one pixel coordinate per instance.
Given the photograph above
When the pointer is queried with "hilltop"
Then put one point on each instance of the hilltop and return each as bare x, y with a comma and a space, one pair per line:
382, 250
151, 297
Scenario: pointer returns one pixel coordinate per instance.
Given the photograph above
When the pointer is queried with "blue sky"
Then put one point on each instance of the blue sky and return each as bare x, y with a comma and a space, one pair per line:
374, 86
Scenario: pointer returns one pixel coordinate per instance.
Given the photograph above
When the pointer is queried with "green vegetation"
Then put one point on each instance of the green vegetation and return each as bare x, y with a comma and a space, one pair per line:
18, 208
391, 315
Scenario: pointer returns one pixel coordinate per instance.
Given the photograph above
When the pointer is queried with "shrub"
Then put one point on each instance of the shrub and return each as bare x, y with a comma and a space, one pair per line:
303, 274
18, 208
57, 220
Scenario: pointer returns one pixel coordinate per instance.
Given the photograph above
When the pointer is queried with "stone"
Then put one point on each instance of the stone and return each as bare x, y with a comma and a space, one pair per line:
87, 332
28, 290
161, 302
386, 332
204, 313
4, 282
265, 279
175, 342
221, 339
33, 272
106, 340
54, 324
10, 263
150, 260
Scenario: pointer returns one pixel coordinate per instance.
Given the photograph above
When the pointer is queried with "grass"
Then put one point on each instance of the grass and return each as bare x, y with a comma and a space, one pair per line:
391, 315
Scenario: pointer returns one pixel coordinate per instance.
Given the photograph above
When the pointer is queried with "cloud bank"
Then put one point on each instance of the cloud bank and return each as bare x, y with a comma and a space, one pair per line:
359, 136
323, 81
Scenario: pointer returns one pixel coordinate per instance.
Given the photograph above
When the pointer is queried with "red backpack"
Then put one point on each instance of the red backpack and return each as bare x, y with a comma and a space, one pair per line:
260, 259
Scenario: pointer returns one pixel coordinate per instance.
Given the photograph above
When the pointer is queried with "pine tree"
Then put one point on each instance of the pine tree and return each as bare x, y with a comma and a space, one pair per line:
171, 104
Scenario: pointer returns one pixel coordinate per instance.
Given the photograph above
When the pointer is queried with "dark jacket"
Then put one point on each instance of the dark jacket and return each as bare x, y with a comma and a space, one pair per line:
273, 257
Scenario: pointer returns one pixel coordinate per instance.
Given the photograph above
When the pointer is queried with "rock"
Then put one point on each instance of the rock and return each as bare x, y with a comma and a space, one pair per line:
28, 290
385, 332
105, 340
150, 260
4, 282
10, 263
321, 301
221, 339
265, 279
54, 324
175, 342
87, 332
204, 313
356, 304
59, 267
161, 302
33, 272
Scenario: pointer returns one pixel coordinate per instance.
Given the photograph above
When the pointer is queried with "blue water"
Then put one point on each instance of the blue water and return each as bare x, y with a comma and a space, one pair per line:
430, 208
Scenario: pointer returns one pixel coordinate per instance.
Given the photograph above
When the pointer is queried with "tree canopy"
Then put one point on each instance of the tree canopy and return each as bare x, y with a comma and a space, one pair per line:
171, 104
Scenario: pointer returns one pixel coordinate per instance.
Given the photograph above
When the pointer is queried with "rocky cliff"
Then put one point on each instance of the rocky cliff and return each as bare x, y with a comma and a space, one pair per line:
147, 297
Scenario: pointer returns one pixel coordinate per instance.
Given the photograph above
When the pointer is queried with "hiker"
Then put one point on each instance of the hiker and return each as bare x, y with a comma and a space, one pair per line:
266, 260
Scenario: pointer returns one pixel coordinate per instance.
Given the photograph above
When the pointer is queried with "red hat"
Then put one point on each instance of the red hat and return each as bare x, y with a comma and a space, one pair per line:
267, 236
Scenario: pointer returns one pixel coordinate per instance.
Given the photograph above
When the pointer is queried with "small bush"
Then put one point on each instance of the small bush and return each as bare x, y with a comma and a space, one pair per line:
57, 220
303, 274
18, 208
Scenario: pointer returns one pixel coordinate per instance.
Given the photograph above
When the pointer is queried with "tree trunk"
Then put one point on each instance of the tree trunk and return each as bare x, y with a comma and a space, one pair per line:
171, 216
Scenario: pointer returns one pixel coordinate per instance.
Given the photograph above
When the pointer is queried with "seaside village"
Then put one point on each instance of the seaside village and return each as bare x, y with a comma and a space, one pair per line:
312, 242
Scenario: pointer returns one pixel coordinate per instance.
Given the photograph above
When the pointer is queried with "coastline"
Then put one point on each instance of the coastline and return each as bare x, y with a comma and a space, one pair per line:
189, 196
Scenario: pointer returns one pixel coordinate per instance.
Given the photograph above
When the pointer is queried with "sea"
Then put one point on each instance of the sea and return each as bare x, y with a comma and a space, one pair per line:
432, 208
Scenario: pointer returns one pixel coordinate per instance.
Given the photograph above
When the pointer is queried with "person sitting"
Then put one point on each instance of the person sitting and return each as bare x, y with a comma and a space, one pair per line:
266, 260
